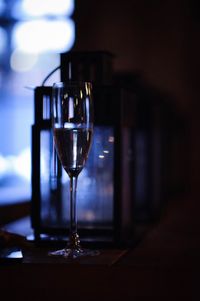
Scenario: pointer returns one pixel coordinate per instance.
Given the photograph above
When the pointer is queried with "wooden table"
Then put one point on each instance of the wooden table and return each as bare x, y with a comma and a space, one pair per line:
165, 265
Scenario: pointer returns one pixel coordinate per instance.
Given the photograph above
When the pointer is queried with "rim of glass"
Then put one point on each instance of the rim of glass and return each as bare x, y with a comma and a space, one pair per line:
71, 83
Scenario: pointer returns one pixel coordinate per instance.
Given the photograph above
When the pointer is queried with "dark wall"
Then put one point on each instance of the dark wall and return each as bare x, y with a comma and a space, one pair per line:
160, 39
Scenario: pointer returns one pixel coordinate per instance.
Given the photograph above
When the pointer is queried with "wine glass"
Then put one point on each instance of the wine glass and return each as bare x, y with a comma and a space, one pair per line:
72, 123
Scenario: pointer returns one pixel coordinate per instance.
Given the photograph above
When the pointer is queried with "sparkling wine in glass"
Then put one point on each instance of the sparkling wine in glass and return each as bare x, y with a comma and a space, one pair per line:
72, 123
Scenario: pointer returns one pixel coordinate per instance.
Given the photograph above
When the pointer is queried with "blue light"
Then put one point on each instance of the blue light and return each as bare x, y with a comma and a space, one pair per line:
44, 35
42, 8
2, 6
14, 165
38, 8
43, 29
3, 39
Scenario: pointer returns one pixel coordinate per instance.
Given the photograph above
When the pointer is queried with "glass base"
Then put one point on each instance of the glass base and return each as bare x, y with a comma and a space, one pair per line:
74, 253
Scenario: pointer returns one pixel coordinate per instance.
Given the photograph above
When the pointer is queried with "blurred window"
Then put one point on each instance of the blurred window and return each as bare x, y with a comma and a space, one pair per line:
32, 34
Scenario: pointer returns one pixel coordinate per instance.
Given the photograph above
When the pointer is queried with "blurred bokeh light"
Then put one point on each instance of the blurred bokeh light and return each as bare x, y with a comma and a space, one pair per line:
32, 35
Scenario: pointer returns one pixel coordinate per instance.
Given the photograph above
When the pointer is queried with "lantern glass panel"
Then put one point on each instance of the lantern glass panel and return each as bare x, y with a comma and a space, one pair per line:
96, 189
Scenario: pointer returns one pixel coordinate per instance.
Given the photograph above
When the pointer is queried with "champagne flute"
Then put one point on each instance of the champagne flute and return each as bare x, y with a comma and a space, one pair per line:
72, 123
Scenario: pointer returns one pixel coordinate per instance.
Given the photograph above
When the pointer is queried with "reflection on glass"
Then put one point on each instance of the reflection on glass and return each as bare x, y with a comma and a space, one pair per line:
95, 194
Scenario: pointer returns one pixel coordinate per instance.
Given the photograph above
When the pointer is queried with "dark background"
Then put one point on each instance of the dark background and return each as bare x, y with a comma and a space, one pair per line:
160, 41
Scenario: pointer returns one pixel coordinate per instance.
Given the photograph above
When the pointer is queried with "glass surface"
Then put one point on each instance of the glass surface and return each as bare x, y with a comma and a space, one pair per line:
72, 125
95, 194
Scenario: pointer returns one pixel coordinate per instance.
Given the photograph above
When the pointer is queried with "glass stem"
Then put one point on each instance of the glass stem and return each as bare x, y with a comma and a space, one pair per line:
74, 238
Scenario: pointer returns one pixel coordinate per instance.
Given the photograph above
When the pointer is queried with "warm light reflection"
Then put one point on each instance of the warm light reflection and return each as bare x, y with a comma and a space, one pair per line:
111, 139
106, 152
89, 215
81, 94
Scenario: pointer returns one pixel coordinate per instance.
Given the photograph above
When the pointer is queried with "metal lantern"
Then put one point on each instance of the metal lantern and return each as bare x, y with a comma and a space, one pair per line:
104, 200
133, 166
